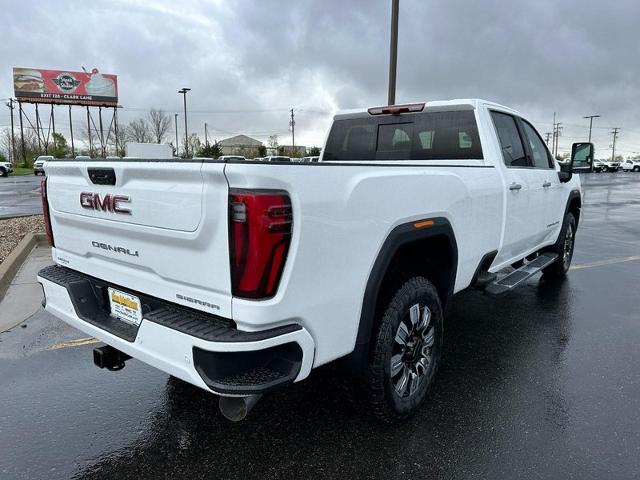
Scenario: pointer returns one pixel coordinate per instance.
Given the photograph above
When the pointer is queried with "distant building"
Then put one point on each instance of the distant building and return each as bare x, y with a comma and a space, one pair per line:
240, 145
291, 151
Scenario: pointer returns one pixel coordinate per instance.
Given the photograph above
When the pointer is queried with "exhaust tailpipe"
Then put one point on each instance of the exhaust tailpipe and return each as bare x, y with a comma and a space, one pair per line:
237, 408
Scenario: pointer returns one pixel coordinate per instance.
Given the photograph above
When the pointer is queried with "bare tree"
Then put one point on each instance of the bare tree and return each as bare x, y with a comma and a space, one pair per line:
31, 149
91, 141
194, 145
159, 124
138, 131
122, 140
273, 144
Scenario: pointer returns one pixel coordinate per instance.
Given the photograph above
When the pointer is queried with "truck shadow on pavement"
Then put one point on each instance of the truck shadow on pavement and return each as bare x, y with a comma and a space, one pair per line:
499, 389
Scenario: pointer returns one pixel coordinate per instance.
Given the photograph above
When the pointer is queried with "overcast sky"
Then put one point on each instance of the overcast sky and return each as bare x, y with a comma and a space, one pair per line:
248, 62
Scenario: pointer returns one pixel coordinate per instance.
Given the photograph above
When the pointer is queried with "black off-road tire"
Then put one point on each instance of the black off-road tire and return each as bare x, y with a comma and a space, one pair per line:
564, 248
380, 391
3, 173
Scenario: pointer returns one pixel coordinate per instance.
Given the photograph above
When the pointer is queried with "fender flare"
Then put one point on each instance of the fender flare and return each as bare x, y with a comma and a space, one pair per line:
400, 236
573, 194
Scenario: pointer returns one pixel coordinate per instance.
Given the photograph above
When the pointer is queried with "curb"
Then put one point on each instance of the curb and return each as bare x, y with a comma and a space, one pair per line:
13, 262
19, 215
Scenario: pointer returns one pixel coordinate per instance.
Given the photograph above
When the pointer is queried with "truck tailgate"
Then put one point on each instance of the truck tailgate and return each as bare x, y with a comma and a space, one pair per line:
172, 243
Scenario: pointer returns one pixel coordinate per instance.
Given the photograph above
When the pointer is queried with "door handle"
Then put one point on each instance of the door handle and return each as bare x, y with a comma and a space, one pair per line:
546, 184
515, 186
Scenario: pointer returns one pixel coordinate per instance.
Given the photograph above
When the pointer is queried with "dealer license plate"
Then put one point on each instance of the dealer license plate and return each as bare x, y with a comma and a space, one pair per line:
125, 307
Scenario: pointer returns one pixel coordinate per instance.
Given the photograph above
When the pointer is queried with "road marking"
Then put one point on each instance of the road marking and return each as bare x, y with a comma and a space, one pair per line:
74, 343
611, 261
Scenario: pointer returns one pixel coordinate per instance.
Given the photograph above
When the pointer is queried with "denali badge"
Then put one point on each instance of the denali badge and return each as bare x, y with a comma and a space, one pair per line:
108, 203
113, 248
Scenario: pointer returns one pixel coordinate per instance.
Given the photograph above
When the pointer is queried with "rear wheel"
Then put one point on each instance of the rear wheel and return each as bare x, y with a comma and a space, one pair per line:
407, 351
636, 169
564, 248
3, 173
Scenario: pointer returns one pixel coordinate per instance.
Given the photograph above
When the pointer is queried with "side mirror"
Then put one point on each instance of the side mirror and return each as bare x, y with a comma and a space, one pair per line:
582, 157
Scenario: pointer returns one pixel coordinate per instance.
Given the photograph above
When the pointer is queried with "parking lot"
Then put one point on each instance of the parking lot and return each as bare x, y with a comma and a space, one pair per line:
20, 195
542, 384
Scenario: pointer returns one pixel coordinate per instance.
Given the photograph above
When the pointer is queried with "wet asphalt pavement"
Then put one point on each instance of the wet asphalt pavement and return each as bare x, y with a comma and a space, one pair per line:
544, 383
20, 195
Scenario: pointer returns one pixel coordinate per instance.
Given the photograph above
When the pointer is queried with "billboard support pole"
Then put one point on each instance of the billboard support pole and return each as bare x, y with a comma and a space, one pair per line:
53, 121
115, 128
109, 130
24, 151
14, 160
101, 132
73, 149
38, 130
89, 132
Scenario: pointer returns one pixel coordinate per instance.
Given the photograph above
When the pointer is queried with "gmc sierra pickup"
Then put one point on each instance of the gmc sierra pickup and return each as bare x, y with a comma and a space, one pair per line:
241, 277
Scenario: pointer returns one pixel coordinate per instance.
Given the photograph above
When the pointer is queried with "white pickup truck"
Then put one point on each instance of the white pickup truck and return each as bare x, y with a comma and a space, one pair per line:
241, 277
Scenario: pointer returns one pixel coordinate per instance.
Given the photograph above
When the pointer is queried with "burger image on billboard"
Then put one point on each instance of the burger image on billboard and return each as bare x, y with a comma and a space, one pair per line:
27, 80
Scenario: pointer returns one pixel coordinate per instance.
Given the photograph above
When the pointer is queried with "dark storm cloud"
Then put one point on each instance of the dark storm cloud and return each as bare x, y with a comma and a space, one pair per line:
254, 60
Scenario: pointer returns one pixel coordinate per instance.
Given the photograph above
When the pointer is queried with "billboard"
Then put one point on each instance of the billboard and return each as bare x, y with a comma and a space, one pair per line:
65, 87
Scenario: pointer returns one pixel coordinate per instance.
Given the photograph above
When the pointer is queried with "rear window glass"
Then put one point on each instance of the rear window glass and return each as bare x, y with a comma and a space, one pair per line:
419, 136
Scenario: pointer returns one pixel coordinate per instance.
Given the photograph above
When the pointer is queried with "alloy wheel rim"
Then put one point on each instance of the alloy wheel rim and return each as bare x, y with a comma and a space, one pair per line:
412, 353
568, 244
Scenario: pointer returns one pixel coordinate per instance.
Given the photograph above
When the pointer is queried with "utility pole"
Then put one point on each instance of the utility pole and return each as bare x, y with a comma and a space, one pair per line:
175, 120
13, 141
393, 51
184, 91
591, 117
547, 137
557, 131
292, 124
206, 137
615, 132
553, 142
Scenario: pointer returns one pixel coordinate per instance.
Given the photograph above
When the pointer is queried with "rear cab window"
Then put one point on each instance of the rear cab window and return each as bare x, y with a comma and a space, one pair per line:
449, 135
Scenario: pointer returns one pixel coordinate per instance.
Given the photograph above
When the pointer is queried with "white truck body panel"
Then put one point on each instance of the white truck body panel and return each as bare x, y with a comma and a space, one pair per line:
342, 214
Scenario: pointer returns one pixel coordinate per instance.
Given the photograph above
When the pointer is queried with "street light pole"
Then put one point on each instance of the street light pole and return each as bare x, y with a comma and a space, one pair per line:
591, 117
393, 51
175, 120
184, 91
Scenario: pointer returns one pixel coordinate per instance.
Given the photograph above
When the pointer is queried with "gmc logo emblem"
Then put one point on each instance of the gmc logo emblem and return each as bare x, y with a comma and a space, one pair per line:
106, 203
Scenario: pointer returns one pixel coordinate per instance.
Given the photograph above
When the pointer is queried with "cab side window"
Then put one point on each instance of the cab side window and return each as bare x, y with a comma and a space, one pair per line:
510, 141
541, 156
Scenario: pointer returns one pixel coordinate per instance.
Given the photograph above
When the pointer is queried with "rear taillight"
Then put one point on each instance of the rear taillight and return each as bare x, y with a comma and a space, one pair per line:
45, 211
260, 224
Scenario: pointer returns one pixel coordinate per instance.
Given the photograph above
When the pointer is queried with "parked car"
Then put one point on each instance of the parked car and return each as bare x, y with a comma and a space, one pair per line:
240, 278
231, 158
38, 165
5, 169
610, 166
631, 165
598, 165
277, 158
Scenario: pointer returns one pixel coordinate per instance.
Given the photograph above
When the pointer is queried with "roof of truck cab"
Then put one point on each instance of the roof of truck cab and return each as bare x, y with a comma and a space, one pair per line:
437, 105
